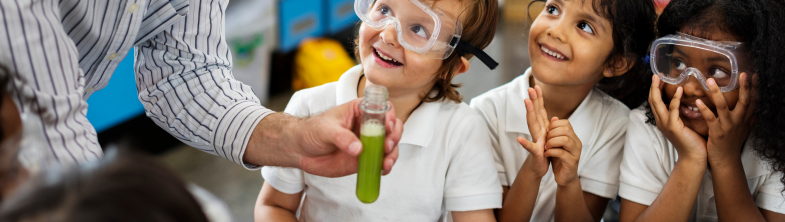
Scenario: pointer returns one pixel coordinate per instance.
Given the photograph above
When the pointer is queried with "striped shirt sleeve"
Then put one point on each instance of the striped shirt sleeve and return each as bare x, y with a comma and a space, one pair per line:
185, 83
47, 79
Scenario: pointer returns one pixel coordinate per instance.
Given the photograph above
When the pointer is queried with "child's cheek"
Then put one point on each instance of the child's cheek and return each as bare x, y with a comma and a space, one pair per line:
731, 98
669, 91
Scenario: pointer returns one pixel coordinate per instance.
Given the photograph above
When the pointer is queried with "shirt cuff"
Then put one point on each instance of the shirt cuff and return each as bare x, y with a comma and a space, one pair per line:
234, 130
503, 179
637, 195
770, 202
599, 188
475, 202
270, 175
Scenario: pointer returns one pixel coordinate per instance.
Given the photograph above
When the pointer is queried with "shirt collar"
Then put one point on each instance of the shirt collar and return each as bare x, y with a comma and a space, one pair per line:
583, 119
418, 129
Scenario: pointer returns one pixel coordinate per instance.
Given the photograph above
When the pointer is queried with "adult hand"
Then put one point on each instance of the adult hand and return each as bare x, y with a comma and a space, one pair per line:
689, 145
728, 130
537, 119
328, 143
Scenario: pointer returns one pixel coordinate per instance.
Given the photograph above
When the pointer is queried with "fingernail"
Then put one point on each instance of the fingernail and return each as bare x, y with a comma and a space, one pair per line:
710, 82
392, 162
355, 147
389, 145
652, 77
392, 125
699, 102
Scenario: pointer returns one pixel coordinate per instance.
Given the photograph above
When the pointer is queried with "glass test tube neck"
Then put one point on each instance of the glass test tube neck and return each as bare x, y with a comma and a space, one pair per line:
375, 99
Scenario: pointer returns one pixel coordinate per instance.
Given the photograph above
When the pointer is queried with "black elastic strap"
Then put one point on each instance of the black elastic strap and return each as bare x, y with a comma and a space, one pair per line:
464, 47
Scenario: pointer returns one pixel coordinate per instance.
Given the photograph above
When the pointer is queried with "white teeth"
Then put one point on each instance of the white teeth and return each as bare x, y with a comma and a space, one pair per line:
385, 57
552, 53
692, 108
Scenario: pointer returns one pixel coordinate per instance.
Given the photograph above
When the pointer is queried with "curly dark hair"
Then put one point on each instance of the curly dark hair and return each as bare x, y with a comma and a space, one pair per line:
760, 24
633, 23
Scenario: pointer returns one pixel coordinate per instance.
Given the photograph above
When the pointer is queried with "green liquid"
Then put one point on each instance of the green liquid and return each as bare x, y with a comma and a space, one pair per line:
369, 167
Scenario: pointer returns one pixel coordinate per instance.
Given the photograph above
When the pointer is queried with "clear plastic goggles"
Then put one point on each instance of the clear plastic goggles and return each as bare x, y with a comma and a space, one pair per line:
421, 27
677, 57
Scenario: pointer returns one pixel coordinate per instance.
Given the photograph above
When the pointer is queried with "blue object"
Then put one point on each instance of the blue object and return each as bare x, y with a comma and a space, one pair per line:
340, 15
299, 19
118, 101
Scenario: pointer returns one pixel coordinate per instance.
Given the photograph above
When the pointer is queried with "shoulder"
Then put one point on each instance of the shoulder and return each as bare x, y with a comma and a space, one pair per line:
615, 111
312, 100
642, 135
460, 113
495, 97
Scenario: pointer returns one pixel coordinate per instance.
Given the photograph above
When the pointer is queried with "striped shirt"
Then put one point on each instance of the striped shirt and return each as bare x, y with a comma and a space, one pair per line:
62, 51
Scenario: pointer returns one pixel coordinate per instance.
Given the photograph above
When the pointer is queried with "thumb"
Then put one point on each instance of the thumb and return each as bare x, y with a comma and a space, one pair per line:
345, 140
529, 146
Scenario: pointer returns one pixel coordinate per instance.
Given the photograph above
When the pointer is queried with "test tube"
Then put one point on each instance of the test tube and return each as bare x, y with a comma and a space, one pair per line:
369, 164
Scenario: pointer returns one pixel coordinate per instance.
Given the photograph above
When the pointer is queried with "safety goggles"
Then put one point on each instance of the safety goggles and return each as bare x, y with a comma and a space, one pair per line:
677, 57
421, 27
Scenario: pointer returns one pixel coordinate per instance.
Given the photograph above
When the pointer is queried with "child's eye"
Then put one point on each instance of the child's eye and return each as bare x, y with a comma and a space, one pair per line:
552, 10
384, 9
419, 30
585, 27
679, 65
718, 73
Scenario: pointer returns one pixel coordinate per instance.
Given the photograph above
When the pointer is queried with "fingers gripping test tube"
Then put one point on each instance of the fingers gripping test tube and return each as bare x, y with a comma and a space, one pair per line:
369, 167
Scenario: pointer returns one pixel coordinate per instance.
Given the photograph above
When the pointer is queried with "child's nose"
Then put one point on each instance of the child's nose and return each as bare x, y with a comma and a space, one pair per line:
556, 31
692, 87
389, 35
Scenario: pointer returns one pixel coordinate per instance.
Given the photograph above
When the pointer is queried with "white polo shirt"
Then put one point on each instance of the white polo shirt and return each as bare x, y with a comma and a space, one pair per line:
649, 159
600, 122
445, 164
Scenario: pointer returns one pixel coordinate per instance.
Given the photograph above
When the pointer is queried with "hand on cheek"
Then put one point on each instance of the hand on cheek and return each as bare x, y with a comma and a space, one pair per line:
689, 145
730, 128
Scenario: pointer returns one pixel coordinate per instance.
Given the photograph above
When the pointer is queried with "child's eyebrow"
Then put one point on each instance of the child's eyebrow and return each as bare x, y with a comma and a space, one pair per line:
592, 19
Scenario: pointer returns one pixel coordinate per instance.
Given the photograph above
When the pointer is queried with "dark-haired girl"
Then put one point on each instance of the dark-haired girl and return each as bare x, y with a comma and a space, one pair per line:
708, 146
586, 70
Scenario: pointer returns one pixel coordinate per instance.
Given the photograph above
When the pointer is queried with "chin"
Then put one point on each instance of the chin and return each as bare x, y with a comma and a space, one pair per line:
699, 126
546, 74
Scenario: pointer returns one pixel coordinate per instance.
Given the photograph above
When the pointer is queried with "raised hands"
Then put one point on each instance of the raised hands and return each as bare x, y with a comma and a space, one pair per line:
554, 141
688, 143
728, 130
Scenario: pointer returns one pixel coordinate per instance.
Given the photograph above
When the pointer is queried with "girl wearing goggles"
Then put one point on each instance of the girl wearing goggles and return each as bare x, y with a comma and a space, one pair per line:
446, 166
709, 144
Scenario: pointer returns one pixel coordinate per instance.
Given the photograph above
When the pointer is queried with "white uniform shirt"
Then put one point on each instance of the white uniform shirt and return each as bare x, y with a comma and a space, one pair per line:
445, 164
649, 159
600, 122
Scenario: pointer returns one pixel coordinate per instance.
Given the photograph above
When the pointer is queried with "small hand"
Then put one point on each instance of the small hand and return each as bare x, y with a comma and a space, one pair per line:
564, 147
688, 143
537, 119
729, 130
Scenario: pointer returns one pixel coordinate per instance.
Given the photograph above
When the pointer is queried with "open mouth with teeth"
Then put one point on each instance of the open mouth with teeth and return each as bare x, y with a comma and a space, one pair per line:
385, 58
552, 53
690, 111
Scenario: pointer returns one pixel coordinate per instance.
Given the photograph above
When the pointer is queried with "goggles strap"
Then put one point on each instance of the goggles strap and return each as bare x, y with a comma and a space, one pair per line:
464, 47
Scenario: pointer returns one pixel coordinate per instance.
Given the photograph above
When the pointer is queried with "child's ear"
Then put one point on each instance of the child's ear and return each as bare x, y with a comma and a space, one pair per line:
462, 66
618, 66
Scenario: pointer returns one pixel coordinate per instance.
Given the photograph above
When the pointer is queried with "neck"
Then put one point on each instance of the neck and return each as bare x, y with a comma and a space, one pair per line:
561, 101
404, 102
